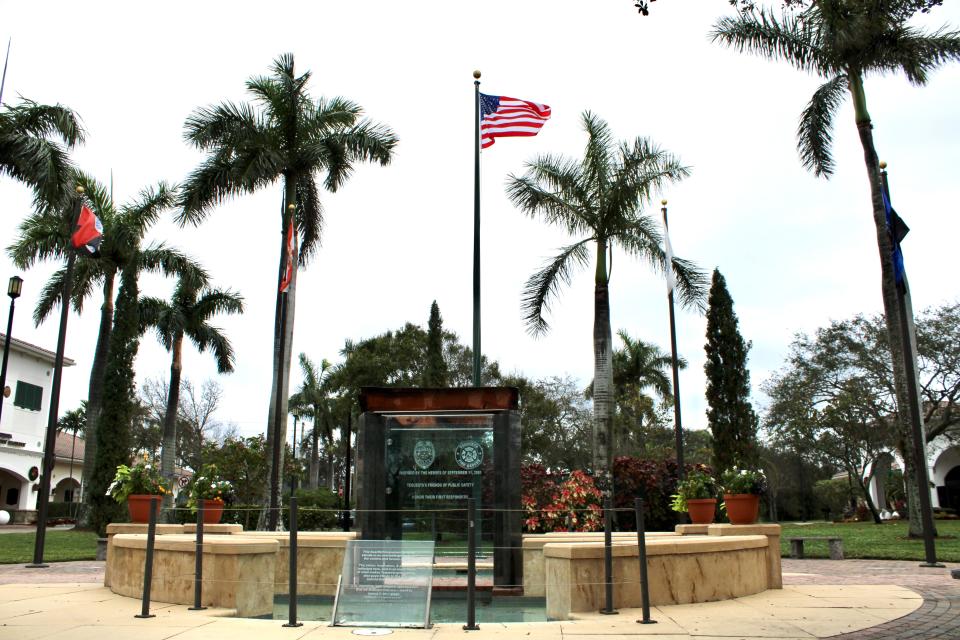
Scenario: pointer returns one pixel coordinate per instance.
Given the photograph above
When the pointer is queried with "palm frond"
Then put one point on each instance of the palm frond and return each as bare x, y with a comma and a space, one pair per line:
210, 337
39, 163
158, 315
917, 53
553, 188
337, 151
309, 218
598, 155
643, 240
226, 124
144, 211
208, 185
43, 120
42, 236
792, 39
815, 131
545, 284
159, 258
216, 301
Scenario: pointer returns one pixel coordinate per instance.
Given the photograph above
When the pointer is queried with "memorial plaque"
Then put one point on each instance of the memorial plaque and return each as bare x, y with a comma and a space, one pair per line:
385, 583
434, 464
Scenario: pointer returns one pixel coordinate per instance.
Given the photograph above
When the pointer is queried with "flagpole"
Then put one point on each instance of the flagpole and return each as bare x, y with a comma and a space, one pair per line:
43, 497
476, 229
914, 411
3, 82
677, 423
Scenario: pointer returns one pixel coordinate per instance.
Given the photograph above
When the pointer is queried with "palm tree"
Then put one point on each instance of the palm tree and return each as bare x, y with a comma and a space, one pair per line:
637, 367
27, 152
599, 199
187, 315
73, 421
843, 42
313, 400
290, 136
43, 236
640, 365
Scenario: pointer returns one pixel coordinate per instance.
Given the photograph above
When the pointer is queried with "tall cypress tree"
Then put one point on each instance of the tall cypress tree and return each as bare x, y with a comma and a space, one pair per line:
119, 402
435, 372
730, 414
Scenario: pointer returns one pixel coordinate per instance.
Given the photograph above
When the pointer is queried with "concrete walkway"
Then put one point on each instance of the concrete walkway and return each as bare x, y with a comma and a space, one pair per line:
862, 599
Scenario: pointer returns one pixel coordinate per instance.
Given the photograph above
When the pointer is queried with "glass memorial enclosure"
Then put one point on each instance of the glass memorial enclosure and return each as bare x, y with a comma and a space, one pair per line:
423, 453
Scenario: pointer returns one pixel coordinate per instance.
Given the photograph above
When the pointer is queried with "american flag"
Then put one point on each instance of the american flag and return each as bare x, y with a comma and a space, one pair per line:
501, 116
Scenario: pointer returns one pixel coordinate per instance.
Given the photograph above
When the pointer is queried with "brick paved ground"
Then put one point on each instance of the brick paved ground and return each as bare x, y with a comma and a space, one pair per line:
938, 617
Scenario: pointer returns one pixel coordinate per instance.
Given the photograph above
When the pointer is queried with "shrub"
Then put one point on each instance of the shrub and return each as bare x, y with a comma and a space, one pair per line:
833, 496
653, 480
142, 478
316, 510
573, 505
698, 485
740, 481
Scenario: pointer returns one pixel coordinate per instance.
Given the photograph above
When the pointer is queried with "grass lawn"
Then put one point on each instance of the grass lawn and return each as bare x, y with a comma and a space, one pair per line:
60, 546
886, 541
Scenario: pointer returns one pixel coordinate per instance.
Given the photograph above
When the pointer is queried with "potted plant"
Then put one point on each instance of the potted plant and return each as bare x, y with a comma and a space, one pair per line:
137, 486
213, 491
742, 489
696, 495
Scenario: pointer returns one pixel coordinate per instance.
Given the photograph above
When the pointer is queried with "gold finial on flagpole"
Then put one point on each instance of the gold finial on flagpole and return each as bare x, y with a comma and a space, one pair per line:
476, 74
664, 202
291, 207
80, 190
883, 165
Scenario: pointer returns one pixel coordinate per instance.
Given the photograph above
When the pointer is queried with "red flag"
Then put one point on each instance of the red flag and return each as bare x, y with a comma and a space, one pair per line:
291, 252
89, 231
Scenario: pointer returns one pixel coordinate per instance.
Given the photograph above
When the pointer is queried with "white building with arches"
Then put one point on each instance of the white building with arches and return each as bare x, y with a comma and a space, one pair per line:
23, 424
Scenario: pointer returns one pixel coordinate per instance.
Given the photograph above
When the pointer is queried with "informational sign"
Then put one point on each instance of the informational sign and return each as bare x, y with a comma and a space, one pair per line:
385, 583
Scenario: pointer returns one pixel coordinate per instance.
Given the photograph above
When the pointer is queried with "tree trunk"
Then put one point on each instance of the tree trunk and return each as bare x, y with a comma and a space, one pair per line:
95, 389
168, 455
864, 484
895, 331
314, 480
281, 361
603, 373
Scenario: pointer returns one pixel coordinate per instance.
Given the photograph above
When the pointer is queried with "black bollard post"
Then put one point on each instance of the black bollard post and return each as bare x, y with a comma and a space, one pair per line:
471, 566
642, 545
148, 564
292, 621
608, 557
198, 563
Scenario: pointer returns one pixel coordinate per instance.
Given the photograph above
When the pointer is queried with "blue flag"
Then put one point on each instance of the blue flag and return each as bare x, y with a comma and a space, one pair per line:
898, 230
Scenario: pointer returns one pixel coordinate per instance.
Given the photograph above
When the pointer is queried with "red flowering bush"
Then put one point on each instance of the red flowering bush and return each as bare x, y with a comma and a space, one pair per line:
549, 505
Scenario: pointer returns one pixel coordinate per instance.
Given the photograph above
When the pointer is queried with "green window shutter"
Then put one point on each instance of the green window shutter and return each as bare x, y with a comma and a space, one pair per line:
28, 396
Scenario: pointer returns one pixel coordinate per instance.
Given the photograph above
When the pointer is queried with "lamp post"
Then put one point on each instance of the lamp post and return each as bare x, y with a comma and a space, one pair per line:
14, 288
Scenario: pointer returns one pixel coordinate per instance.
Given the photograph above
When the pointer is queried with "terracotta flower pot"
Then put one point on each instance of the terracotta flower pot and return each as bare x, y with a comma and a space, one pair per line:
139, 507
742, 508
702, 510
212, 511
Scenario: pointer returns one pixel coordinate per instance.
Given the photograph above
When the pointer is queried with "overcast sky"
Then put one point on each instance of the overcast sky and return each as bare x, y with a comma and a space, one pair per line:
796, 251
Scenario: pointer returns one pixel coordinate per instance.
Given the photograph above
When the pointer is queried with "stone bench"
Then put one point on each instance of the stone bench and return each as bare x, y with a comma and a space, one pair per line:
319, 559
533, 564
680, 570
237, 572
836, 546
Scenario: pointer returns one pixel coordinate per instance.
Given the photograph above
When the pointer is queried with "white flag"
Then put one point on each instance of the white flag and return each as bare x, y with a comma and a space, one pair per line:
668, 250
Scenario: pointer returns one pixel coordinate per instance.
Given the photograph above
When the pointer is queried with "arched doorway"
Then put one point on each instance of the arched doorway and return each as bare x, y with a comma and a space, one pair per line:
950, 496
67, 490
12, 487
